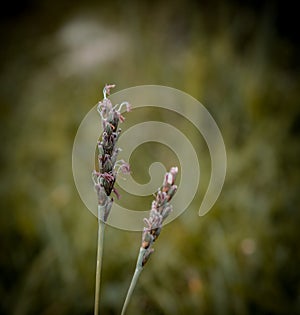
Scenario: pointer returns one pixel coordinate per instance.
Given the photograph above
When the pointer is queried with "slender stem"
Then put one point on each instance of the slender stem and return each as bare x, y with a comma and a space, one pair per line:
134, 279
101, 227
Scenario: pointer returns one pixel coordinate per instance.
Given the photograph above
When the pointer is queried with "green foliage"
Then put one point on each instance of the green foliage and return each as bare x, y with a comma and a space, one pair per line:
243, 256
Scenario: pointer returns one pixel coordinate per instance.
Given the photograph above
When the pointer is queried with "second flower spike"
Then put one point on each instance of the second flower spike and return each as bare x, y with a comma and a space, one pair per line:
160, 209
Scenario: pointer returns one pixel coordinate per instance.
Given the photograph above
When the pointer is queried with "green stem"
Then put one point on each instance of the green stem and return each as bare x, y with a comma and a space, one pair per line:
137, 272
101, 228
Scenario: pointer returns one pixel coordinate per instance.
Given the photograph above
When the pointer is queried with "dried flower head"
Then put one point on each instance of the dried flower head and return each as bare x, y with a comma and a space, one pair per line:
160, 209
108, 165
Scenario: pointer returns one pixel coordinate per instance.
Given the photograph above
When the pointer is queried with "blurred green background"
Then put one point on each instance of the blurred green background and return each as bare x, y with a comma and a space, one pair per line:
241, 61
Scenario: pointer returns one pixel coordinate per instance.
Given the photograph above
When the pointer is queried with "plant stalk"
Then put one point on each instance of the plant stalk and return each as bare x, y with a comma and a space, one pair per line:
137, 272
101, 228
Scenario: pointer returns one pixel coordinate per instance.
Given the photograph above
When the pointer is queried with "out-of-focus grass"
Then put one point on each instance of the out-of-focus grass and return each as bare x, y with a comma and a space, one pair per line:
243, 256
